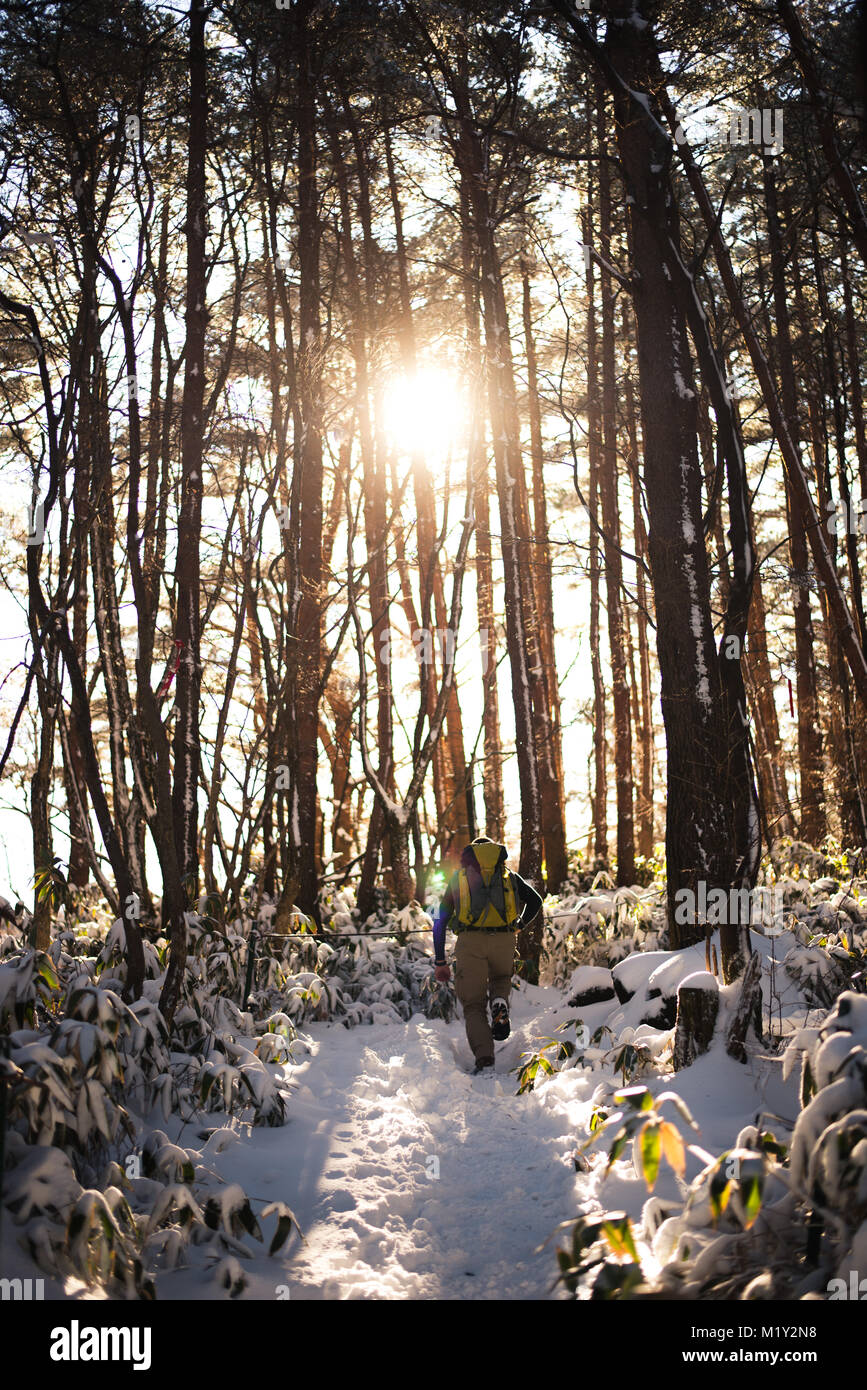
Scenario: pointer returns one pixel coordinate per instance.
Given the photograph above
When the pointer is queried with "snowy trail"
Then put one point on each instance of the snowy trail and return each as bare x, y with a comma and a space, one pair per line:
411, 1178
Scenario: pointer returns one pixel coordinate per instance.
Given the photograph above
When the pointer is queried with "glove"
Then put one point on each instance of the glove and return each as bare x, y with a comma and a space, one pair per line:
442, 972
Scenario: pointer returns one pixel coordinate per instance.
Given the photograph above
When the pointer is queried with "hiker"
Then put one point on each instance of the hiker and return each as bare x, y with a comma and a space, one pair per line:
485, 904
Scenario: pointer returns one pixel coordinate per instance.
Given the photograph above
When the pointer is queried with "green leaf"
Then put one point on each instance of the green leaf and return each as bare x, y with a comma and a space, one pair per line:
568, 1272
106, 1223
76, 1225
618, 1232
636, 1097
45, 971
651, 1149
808, 1084
771, 1145
720, 1191
616, 1149
615, 1281
751, 1196
585, 1235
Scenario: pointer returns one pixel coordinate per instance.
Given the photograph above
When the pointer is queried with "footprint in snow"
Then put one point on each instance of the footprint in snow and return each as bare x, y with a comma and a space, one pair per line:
342, 1201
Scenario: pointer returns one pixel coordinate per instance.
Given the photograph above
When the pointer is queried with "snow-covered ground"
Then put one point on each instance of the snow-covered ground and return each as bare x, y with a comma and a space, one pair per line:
412, 1179
409, 1177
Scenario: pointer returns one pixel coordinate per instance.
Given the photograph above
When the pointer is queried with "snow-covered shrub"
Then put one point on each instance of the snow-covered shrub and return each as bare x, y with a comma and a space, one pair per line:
438, 999
242, 1087
760, 1220
27, 978
71, 1230
818, 976
600, 927
121, 1235
829, 1145
633, 1052
735, 1213
96, 1193
789, 856
82, 1067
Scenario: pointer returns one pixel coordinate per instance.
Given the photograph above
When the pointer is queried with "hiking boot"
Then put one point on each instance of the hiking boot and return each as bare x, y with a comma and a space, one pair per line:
483, 1064
500, 1025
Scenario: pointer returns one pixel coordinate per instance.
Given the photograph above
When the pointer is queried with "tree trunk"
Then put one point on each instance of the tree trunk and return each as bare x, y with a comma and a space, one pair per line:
553, 826
375, 522
768, 739
599, 800
492, 773
73, 769
699, 827
813, 825
697, 1012
505, 429
645, 727
187, 751
307, 603
450, 765
608, 490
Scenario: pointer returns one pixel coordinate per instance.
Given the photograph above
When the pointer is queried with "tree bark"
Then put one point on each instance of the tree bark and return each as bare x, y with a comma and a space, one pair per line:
599, 799
553, 825
699, 828
505, 429
492, 771
645, 727
187, 750
306, 605
813, 823
697, 1012
608, 490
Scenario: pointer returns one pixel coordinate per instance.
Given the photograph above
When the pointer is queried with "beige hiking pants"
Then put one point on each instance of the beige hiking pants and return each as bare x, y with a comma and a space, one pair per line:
484, 962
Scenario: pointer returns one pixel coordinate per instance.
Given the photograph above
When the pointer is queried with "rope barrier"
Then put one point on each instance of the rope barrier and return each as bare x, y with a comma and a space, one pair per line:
336, 936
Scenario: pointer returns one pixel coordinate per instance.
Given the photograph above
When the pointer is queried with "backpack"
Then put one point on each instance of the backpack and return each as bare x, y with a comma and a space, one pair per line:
486, 896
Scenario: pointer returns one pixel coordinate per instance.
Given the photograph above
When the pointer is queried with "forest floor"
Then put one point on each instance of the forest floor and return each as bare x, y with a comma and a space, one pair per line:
409, 1177
412, 1179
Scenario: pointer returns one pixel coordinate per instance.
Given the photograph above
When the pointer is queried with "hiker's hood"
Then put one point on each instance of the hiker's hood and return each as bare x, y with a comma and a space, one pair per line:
484, 852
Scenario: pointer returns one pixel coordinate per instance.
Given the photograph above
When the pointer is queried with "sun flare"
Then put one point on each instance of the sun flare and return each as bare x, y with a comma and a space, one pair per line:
426, 413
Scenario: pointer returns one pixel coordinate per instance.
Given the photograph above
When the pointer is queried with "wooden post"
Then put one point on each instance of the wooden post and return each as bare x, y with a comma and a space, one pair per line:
697, 1010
